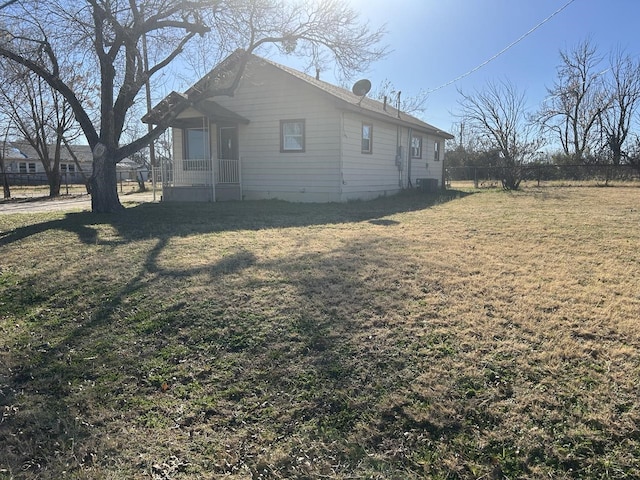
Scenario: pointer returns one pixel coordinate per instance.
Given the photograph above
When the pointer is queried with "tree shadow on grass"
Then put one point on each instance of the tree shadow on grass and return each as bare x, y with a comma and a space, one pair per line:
132, 343
180, 219
47, 425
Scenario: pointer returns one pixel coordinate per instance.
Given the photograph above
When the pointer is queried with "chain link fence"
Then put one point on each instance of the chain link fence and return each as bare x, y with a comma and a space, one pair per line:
35, 184
545, 174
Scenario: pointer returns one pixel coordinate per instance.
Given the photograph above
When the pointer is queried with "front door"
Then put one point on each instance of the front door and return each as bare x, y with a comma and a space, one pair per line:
228, 159
228, 143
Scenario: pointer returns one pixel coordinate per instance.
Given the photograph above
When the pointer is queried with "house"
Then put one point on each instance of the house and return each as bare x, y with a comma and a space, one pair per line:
287, 135
23, 165
21, 161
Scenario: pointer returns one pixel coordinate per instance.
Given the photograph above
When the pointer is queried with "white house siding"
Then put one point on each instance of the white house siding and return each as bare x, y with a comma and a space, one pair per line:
370, 175
427, 167
332, 167
266, 96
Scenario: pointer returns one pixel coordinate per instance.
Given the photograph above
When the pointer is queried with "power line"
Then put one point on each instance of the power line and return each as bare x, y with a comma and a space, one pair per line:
515, 42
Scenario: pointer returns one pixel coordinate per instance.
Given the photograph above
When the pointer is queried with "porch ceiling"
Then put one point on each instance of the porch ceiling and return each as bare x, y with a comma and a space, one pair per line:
213, 111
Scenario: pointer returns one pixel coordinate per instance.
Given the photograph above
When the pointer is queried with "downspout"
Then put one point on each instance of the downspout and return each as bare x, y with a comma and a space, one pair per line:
443, 185
212, 164
341, 158
399, 155
410, 130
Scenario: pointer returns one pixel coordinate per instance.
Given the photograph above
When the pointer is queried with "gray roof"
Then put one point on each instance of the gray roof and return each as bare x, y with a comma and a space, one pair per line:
221, 77
366, 105
24, 151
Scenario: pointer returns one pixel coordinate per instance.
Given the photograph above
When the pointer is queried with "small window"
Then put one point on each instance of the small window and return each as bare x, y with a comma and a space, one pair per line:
196, 149
32, 168
416, 146
68, 168
436, 151
22, 167
292, 136
367, 138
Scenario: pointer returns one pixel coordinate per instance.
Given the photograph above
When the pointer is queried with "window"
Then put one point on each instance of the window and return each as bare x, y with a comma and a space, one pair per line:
69, 168
416, 146
367, 138
196, 149
436, 151
292, 135
27, 167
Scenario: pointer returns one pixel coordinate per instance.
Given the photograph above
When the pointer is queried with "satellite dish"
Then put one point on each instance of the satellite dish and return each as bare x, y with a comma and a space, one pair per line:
361, 87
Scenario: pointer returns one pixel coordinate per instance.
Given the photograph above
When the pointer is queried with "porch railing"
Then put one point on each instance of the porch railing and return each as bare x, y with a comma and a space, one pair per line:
228, 170
200, 172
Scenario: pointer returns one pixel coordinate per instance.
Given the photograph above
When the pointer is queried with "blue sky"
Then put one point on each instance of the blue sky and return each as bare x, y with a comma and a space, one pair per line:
434, 41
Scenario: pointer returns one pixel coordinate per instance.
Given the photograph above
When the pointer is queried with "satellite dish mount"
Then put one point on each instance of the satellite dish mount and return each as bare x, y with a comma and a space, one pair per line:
361, 88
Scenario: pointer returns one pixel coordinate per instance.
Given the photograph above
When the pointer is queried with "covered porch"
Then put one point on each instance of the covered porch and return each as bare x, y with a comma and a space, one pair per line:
206, 180
205, 165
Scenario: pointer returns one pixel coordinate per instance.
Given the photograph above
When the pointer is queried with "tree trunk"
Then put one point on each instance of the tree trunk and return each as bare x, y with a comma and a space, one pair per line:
104, 182
140, 179
55, 180
5, 185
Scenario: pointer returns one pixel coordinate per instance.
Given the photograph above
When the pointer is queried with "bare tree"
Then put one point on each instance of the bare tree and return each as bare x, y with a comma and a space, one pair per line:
41, 115
496, 115
43, 36
388, 93
5, 125
575, 103
623, 85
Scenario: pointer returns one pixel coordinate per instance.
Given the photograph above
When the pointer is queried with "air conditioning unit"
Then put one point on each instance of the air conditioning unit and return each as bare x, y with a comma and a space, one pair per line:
427, 184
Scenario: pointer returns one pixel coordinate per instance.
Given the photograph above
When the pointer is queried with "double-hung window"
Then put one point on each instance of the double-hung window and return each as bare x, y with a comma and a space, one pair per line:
416, 146
367, 138
68, 168
27, 167
196, 149
292, 136
436, 151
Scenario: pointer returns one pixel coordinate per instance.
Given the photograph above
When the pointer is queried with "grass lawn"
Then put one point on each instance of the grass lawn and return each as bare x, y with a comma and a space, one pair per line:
495, 335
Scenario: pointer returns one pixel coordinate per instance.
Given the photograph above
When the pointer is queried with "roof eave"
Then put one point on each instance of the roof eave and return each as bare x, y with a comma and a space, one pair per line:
387, 117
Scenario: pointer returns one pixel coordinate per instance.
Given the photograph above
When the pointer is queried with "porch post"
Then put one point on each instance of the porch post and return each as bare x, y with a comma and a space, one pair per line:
213, 179
240, 175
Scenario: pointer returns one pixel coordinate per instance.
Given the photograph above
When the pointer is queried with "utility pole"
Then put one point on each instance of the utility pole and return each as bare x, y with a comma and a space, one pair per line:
152, 148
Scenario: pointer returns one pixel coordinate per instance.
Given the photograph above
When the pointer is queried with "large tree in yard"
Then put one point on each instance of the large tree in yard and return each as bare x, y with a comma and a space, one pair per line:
624, 89
496, 115
108, 35
576, 102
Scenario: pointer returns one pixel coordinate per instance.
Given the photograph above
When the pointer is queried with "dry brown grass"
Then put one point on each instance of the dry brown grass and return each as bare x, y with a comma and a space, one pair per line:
492, 336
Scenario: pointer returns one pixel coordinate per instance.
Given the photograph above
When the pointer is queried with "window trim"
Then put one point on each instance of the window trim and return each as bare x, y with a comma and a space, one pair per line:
362, 138
196, 164
301, 121
421, 140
